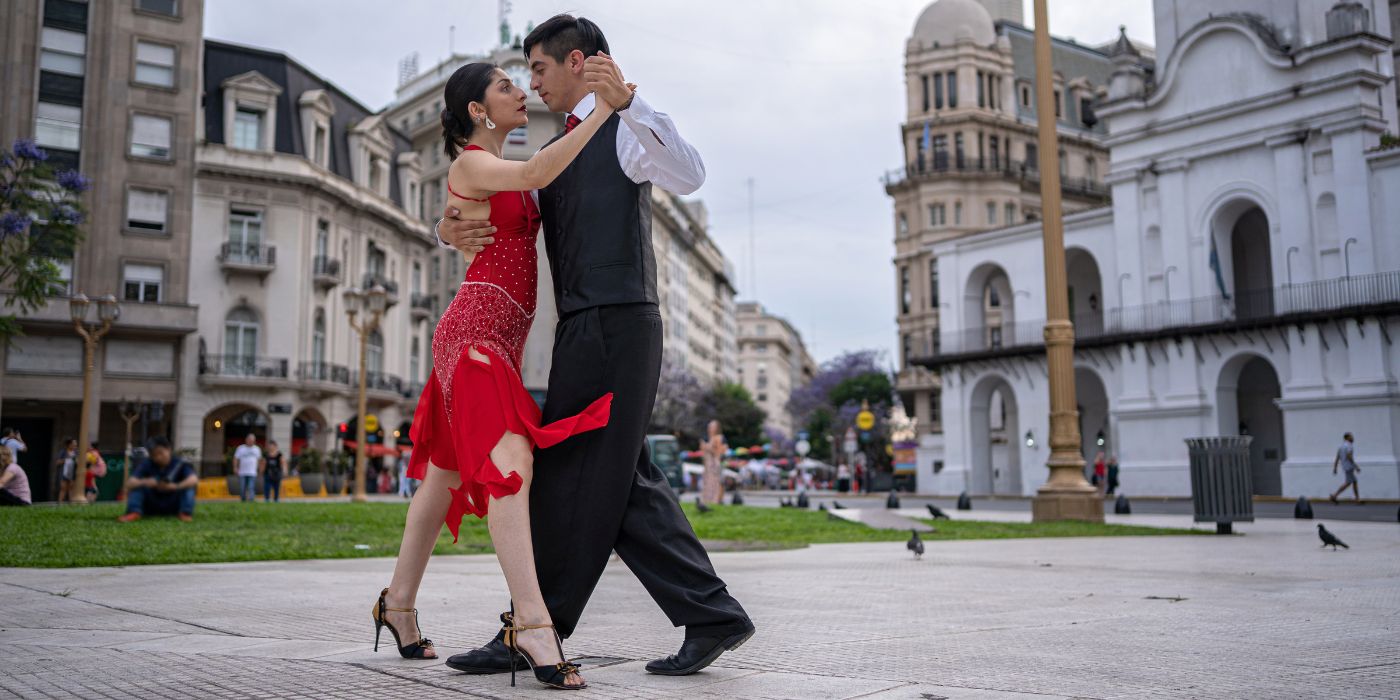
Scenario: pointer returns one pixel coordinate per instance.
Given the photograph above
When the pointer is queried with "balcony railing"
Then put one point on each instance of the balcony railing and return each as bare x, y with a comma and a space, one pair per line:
1028, 174
243, 366
325, 271
370, 279
323, 372
422, 305
1243, 310
252, 257
381, 382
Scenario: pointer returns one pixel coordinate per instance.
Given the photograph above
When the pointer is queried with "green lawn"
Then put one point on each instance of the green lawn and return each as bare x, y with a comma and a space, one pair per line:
230, 531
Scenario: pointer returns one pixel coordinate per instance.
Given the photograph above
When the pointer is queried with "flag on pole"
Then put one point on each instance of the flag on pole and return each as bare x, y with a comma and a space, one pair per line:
1215, 266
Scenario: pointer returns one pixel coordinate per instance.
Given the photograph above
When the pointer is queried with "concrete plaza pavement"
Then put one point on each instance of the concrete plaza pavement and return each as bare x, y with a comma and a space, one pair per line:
1265, 614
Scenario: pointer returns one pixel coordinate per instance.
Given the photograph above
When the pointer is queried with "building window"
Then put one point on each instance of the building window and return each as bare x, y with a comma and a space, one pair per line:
981, 90
142, 282
1064, 164
318, 153
933, 285
376, 178
58, 126
923, 80
155, 64
150, 136
415, 349
1032, 156
240, 339
991, 213
65, 274
907, 348
903, 224
245, 232
169, 8
937, 214
994, 338
994, 152
935, 410
904, 297
940, 152
147, 210
958, 151
760, 329
1025, 96
993, 297
957, 213
1091, 168
937, 91
318, 342
323, 238
1010, 213
374, 352
1057, 104
62, 51
952, 90
247, 129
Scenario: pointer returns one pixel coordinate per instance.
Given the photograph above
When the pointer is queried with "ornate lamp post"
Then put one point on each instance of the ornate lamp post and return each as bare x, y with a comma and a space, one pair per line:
107, 311
1065, 495
130, 412
373, 303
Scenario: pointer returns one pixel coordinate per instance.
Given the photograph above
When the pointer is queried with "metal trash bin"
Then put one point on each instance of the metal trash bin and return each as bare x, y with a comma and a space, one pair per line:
1222, 490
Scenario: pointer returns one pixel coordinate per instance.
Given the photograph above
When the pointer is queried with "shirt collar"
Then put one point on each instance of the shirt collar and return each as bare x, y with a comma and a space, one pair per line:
585, 106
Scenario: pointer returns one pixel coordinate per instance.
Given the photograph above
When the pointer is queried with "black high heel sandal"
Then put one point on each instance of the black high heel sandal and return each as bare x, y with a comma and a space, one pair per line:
553, 675
414, 650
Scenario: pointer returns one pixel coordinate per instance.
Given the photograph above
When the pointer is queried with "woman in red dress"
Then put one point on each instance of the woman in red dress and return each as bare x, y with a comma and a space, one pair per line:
475, 422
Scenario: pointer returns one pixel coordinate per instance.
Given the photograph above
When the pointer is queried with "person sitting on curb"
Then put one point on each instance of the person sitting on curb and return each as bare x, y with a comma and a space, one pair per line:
161, 485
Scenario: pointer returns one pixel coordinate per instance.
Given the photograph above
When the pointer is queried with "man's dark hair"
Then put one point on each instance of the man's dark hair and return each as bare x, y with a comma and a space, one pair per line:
11, 431
564, 33
158, 441
1346, 436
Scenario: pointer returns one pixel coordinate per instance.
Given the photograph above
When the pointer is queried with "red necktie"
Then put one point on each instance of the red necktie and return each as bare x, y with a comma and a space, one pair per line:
571, 122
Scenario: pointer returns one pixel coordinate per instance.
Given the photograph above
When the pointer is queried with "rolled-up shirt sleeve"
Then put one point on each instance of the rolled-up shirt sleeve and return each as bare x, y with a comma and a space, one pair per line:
650, 149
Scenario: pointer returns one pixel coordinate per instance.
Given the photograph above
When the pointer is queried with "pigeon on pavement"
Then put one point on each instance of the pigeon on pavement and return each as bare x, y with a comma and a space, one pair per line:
700, 505
1329, 538
937, 512
837, 505
915, 544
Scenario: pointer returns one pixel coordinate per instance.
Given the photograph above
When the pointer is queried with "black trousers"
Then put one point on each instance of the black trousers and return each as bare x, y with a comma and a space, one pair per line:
598, 492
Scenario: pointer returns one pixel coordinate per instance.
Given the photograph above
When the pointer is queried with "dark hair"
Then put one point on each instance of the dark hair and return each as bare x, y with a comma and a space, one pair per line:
68, 440
158, 441
467, 85
8, 431
561, 34
1347, 436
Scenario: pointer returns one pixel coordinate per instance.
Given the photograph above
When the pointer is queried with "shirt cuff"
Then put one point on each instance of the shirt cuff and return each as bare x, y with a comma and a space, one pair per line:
639, 113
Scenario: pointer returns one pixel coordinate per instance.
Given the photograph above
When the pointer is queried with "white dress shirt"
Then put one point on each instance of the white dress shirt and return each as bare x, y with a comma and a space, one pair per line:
649, 150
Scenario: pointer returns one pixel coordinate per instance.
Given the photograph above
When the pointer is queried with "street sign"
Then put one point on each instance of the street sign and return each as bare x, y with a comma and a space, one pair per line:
865, 420
371, 423
803, 447
276, 408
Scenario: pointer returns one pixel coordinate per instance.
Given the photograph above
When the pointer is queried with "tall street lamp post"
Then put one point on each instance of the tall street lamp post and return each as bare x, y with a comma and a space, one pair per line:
373, 303
1065, 494
107, 311
130, 412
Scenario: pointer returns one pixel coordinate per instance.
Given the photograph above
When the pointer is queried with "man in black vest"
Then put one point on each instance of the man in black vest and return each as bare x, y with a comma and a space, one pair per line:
599, 492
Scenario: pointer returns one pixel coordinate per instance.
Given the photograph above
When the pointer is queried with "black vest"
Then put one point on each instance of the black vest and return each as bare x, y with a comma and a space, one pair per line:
597, 229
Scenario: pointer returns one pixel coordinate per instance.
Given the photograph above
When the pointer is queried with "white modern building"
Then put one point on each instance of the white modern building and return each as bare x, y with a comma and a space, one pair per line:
1245, 279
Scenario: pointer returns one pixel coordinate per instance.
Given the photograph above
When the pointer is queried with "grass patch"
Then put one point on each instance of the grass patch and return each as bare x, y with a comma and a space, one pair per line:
229, 532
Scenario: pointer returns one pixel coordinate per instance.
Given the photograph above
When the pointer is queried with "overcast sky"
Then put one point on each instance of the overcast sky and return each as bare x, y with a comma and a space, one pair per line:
803, 96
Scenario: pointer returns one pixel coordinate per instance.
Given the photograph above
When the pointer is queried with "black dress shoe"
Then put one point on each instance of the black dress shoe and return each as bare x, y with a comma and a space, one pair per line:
697, 653
492, 658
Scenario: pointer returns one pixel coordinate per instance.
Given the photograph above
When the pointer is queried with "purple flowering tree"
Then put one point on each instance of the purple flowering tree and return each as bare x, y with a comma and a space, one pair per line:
828, 404
678, 394
40, 212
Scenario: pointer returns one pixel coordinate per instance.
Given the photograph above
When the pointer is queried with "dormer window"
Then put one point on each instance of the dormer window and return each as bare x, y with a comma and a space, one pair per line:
370, 150
250, 111
316, 112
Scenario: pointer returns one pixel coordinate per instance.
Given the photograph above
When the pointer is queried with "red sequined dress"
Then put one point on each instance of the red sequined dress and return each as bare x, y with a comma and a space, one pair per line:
468, 405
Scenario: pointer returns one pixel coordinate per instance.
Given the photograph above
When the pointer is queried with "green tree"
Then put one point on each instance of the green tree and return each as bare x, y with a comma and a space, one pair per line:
733, 407
819, 427
874, 387
39, 217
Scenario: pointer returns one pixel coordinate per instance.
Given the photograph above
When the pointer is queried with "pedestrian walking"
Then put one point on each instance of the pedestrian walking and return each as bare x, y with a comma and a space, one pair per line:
248, 460
272, 473
67, 466
1100, 473
405, 484
11, 438
96, 468
1112, 474
712, 450
1346, 459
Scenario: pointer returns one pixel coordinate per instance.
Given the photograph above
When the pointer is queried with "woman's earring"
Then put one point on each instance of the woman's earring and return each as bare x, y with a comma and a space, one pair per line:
490, 124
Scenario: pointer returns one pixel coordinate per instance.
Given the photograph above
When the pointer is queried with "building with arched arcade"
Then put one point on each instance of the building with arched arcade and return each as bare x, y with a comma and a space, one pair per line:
1245, 279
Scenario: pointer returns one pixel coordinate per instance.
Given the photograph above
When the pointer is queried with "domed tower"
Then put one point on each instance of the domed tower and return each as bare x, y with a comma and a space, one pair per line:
971, 161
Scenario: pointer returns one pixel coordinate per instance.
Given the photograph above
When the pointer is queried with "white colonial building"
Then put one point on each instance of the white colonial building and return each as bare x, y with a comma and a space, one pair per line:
1244, 280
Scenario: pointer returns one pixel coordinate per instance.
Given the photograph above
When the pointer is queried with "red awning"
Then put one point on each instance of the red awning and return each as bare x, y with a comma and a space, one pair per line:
374, 450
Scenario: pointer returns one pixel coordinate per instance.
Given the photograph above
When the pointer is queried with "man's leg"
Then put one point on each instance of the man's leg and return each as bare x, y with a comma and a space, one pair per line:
187, 501
136, 500
9, 499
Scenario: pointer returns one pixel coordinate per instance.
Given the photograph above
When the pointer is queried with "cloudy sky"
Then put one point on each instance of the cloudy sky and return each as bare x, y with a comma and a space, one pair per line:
803, 96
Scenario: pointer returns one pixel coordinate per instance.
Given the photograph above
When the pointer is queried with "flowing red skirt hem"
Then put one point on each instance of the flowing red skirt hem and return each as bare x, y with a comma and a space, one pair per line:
488, 400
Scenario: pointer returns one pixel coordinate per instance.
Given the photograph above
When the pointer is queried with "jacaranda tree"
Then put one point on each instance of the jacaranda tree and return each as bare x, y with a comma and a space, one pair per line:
40, 214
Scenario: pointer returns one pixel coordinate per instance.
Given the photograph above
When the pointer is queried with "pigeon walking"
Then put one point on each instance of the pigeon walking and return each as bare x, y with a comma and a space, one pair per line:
738, 499
700, 505
893, 500
915, 544
837, 505
937, 512
802, 501
1329, 538
821, 507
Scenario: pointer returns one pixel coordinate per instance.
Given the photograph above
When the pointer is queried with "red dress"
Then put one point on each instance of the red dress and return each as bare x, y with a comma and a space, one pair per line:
468, 405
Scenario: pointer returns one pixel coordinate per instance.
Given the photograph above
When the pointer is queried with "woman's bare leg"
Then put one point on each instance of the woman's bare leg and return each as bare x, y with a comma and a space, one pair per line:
509, 523
426, 513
